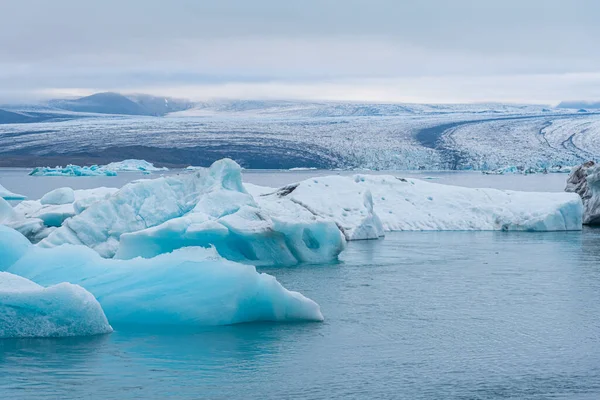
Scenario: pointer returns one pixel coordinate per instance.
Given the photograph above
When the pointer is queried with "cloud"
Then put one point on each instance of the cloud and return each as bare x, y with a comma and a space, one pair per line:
128, 45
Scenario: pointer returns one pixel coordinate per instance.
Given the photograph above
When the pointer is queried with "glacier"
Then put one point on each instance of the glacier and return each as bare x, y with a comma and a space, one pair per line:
208, 207
188, 287
585, 181
8, 195
30, 310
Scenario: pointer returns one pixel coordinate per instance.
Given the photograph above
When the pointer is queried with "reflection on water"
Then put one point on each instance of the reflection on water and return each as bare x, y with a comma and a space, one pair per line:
418, 315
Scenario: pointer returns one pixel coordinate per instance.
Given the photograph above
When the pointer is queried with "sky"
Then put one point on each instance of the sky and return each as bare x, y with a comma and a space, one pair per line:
425, 51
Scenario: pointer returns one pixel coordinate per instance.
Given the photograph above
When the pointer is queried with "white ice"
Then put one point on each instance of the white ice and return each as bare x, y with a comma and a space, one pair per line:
8, 195
363, 203
30, 310
189, 287
62, 203
134, 165
208, 207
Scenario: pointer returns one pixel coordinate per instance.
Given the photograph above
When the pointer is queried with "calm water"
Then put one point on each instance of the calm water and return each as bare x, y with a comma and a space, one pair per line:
418, 315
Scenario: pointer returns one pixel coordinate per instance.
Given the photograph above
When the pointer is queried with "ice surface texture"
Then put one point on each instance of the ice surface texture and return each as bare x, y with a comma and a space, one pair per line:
393, 204
133, 165
30, 310
204, 208
8, 195
189, 287
585, 181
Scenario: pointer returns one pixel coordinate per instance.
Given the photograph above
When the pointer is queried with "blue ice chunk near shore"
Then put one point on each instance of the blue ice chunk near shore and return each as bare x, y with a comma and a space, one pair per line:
30, 310
188, 287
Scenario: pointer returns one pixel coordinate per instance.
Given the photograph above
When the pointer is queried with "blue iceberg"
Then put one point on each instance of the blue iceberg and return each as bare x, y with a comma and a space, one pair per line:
30, 310
189, 287
72, 170
209, 207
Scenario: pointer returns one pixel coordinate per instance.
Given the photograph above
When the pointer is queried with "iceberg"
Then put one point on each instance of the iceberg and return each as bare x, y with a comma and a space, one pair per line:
134, 165
209, 207
585, 181
72, 170
62, 203
8, 195
30, 310
188, 287
390, 203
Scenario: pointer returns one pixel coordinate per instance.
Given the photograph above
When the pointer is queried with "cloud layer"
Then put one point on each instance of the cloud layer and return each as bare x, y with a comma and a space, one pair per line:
377, 50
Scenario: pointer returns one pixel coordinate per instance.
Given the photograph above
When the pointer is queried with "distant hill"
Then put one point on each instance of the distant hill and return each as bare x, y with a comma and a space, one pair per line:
116, 103
585, 105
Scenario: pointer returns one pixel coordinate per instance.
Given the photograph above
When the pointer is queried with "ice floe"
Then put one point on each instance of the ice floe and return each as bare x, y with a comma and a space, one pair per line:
30, 310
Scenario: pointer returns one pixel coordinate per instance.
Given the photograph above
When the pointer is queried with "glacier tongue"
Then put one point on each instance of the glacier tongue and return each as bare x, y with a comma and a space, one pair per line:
188, 287
30, 310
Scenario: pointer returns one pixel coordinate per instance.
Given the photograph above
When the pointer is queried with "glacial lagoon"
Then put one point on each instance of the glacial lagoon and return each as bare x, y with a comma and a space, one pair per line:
417, 315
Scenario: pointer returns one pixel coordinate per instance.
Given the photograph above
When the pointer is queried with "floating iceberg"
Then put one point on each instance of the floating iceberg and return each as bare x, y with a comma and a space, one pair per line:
393, 204
412, 204
98, 170
30, 310
133, 165
207, 208
72, 170
8, 195
189, 287
555, 169
585, 181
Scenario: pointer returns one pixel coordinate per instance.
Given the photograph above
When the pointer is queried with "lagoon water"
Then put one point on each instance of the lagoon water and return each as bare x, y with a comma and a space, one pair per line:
418, 315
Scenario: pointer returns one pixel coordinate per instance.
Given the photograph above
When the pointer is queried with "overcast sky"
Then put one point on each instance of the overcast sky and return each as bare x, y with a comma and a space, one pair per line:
539, 51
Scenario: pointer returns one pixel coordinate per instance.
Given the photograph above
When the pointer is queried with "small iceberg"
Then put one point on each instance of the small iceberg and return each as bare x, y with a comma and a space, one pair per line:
73, 170
99, 170
8, 195
188, 287
30, 310
133, 165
